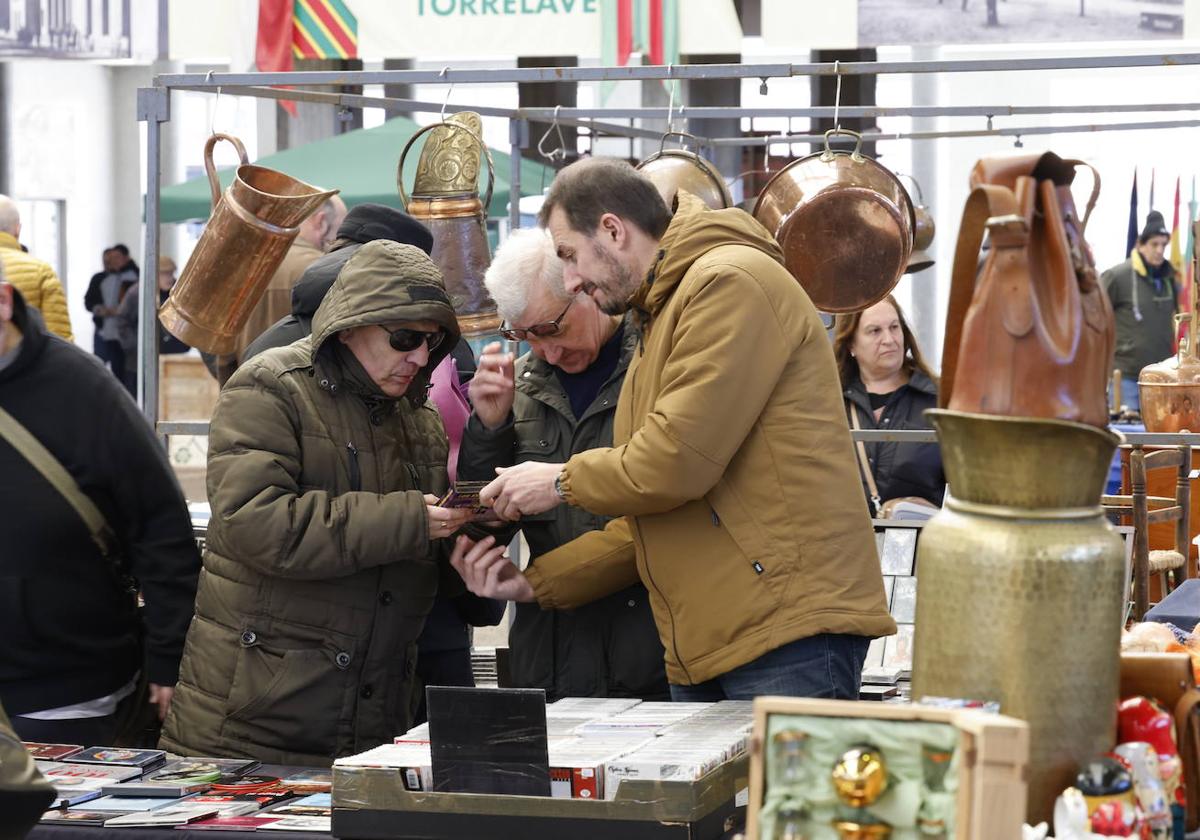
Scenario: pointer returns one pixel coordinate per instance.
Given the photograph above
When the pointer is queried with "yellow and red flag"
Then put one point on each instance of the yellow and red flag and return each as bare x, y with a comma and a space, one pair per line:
289, 29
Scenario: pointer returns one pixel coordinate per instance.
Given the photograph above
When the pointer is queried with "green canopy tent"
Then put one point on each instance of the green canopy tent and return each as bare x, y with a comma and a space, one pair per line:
362, 164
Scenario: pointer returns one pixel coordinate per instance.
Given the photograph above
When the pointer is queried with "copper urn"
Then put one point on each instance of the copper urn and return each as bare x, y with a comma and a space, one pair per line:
445, 197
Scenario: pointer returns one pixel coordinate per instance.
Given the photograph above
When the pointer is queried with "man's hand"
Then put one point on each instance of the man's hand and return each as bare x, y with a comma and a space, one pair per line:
444, 521
487, 572
161, 696
527, 488
491, 387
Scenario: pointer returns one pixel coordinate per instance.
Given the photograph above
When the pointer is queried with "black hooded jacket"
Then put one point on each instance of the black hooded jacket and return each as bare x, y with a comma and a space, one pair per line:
70, 630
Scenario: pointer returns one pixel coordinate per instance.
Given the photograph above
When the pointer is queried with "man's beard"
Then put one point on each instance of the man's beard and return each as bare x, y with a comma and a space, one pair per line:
619, 284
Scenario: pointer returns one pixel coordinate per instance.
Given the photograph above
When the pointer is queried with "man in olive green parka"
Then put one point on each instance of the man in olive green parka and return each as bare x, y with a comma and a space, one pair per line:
324, 549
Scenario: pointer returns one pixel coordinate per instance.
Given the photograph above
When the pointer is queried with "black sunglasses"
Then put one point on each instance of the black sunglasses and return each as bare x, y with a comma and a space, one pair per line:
546, 329
404, 340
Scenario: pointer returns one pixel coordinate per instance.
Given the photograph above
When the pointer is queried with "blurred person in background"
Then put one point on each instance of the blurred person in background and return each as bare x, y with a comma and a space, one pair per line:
1145, 297
887, 385
128, 316
33, 278
103, 299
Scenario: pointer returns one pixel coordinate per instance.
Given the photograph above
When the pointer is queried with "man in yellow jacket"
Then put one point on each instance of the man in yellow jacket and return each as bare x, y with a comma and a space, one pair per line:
33, 278
732, 468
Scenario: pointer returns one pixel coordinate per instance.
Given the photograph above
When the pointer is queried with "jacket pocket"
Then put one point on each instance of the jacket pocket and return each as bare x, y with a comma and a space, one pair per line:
290, 700
537, 441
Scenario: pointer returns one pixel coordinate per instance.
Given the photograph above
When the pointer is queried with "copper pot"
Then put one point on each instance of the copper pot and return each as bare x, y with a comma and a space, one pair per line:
250, 230
672, 170
845, 225
445, 198
1170, 389
923, 231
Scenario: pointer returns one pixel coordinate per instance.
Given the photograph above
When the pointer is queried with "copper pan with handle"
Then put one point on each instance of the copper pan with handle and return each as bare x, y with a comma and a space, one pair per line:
845, 224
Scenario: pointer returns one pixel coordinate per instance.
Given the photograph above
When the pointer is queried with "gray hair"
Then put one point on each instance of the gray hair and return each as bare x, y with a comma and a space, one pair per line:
10, 216
526, 257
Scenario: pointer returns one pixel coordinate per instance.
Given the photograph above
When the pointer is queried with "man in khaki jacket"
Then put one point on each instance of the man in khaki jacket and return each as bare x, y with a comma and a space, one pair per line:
732, 466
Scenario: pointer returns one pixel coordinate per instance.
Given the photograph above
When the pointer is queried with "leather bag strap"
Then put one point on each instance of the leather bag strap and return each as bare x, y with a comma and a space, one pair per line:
54, 472
991, 208
864, 463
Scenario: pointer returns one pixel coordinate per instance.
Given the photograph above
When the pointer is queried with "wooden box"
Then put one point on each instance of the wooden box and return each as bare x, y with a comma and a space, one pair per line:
187, 391
994, 749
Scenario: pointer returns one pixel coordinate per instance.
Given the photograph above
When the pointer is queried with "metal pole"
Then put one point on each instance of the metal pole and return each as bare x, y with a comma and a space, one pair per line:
516, 130
789, 139
154, 108
531, 75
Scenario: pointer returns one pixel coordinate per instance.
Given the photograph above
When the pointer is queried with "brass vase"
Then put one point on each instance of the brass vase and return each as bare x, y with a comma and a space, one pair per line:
445, 198
1020, 587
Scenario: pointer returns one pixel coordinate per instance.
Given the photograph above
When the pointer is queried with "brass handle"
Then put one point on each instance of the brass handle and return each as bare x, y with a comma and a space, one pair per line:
214, 183
487, 154
683, 135
855, 156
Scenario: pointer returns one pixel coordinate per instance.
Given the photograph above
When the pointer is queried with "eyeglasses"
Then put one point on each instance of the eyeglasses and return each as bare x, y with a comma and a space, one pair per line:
405, 340
546, 329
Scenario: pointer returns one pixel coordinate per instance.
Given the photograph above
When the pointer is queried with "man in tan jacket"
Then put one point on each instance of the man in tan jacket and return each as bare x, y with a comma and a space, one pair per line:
732, 468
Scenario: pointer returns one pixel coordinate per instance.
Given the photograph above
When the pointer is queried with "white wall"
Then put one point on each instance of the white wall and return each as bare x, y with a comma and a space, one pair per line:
60, 117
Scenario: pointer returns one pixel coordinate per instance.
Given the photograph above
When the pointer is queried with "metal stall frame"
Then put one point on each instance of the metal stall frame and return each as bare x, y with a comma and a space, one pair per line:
153, 107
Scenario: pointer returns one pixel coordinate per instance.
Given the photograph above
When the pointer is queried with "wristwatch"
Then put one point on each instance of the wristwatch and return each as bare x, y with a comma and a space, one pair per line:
558, 488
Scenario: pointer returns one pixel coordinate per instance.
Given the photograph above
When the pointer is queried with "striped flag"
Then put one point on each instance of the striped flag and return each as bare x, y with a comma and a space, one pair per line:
650, 27
324, 29
1189, 252
272, 49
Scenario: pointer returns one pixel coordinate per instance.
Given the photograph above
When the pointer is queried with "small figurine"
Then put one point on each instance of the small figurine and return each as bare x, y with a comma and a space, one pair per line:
934, 764
1148, 786
790, 749
1142, 719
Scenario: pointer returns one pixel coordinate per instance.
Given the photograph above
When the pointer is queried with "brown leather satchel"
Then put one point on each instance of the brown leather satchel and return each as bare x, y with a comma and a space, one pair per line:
1168, 678
1031, 334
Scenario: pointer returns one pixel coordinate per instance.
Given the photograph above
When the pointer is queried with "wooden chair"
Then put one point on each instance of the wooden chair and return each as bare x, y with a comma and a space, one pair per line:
1143, 510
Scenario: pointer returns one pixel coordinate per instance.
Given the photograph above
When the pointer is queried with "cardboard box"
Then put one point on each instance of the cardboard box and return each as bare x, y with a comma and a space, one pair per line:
994, 752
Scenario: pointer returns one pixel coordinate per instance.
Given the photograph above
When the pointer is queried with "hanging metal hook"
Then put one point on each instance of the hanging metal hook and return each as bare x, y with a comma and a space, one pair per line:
212, 119
449, 90
837, 97
555, 154
670, 100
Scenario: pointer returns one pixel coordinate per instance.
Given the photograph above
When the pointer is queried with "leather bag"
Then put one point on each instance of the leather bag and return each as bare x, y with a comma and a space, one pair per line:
1031, 332
1168, 678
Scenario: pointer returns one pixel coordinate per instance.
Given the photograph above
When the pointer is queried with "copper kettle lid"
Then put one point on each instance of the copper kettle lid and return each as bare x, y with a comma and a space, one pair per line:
671, 170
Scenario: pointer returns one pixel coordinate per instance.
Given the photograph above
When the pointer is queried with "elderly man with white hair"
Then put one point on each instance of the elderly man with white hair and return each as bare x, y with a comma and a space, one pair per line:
33, 278
555, 401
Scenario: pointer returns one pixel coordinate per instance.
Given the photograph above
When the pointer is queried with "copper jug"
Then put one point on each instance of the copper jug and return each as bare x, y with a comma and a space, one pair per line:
251, 228
1170, 389
672, 170
446, 199
845, 224
923, 231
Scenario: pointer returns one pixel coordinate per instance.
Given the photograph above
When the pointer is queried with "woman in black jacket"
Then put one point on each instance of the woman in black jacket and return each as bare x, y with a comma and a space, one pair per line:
888, 385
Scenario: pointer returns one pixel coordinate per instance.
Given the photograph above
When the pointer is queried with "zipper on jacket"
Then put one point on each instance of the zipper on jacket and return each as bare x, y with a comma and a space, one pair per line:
416, 479
716, 521
355, 475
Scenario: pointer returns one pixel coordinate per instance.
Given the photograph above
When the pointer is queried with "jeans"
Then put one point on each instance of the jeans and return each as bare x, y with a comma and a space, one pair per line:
112, 354
826, 665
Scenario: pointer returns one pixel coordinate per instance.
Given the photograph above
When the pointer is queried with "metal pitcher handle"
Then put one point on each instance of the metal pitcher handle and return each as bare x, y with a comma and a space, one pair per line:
214, 182
683, 135
856, 155
487, 154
